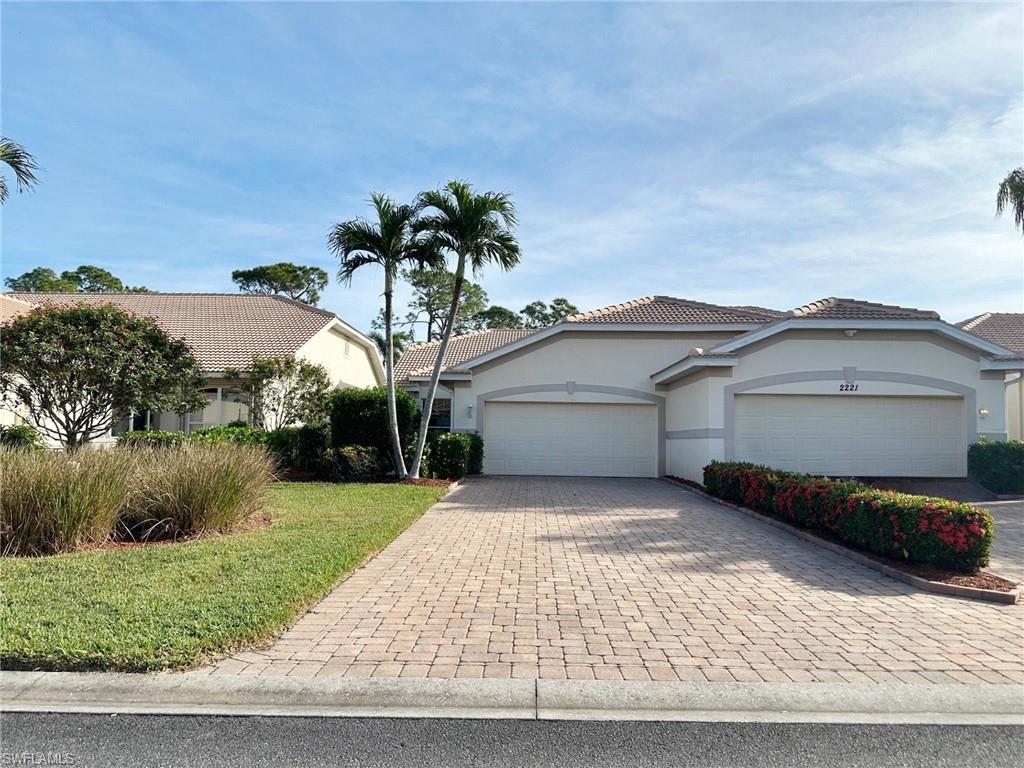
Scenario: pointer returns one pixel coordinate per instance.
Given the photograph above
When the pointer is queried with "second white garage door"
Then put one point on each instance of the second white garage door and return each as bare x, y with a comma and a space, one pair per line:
855, 436
598, 439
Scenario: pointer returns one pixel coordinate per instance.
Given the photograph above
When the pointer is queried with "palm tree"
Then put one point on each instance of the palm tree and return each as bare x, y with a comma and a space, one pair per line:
476, 228
390, 242
19, 161
1011, 194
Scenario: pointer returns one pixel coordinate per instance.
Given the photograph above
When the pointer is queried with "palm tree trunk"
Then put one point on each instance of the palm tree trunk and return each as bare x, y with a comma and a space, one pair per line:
389, 376
428, 406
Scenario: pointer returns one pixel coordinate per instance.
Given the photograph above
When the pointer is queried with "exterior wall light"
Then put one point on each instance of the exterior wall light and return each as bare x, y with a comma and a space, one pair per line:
469, 411
983, 412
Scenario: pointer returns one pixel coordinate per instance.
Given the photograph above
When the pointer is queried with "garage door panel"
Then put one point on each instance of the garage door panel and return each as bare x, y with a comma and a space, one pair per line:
854, 435
523, 438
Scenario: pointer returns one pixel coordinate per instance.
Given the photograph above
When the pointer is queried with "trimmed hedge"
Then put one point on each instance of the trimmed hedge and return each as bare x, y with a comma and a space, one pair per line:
356, 463
241, 434
917, 529
154, 438
449, 456
476, 454
301, 448
360, 417
999, 466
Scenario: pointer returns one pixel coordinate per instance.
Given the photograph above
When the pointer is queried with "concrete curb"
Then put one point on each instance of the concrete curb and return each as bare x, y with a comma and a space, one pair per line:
186, 694
938, 587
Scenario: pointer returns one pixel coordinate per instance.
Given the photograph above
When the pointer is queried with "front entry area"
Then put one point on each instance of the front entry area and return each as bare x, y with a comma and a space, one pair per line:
574, 439
854, 435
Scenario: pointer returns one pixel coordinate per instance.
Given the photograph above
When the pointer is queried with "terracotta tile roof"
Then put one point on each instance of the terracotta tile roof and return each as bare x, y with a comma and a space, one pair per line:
223, 330
1003, 328
854, 309
667, 310
11, 308
418, 359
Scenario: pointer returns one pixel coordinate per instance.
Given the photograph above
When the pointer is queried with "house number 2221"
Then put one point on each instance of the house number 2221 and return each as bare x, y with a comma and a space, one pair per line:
848, 387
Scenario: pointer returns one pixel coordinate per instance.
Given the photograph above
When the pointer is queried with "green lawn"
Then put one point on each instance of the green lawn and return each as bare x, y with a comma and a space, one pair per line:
172, 606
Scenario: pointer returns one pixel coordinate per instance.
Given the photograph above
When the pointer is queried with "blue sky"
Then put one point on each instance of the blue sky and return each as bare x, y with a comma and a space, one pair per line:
764, 154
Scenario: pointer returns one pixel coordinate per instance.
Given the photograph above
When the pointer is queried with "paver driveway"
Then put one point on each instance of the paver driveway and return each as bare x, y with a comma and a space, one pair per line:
630, 579
1008, 549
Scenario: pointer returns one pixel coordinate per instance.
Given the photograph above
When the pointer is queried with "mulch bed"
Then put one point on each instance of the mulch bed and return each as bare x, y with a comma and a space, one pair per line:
262, 520
980, 580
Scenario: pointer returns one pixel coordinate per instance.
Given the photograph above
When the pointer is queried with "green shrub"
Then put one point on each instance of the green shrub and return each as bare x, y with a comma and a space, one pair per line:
21, 437
355, 463
999, 466
237, 433
200, 488
153, 438
303, 449
918, 529
450, 455
56, 502
476, 454
360, 417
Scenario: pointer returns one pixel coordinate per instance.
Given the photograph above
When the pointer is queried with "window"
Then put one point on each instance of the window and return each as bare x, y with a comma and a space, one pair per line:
441, 415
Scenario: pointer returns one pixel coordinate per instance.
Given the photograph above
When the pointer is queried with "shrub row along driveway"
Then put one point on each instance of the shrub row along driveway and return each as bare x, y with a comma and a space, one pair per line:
634, 579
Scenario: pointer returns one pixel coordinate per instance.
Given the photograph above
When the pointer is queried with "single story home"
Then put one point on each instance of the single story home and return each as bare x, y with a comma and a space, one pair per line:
662, 385
224, 332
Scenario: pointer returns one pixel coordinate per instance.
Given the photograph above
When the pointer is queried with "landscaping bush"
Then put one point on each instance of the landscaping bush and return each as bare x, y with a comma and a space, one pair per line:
200, 488
21, 437
476, 454
56, 502
999, 466
360, 417
356, 463
153, 438
918, 529
231, 433
302, 449
450, 455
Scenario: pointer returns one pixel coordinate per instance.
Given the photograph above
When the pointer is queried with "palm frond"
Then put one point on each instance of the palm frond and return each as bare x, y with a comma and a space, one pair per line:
1011, 195
19, 160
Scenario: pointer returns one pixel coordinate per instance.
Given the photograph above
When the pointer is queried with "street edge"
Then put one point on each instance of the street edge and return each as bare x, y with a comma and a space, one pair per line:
523, 699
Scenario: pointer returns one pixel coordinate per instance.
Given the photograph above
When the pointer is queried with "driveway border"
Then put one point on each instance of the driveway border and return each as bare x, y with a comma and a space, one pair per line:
938, 587
109, 693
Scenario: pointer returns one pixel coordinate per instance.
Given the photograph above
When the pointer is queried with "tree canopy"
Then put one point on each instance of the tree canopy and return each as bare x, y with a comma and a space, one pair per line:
497, 317
431, 300
283, 279
537, 314
284, 391
85, 279
77, 369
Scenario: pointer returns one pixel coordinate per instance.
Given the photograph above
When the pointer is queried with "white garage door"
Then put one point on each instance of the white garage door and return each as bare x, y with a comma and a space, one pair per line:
865, 436
570, 439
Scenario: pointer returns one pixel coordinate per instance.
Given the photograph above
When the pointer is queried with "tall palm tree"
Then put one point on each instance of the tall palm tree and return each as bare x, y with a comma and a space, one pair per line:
476, 229
1011, 194
19, 161
390, 242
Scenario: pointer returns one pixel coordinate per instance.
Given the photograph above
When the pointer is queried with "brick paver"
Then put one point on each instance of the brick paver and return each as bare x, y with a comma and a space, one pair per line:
1008, 549
615, 579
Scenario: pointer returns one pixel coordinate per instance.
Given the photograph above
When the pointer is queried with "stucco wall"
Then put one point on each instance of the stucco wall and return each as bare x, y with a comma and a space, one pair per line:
622, 360
1014, 410
347, 359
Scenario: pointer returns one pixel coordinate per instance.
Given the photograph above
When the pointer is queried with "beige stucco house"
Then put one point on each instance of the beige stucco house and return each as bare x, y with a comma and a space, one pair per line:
661, 385
1007, 330
224, 332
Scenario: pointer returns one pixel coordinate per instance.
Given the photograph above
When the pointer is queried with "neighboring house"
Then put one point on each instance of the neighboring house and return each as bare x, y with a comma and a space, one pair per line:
662, 385
225, 331
1007, 330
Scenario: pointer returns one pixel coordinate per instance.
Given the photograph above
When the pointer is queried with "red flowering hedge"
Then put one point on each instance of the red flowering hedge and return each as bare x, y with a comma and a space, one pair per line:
918, 529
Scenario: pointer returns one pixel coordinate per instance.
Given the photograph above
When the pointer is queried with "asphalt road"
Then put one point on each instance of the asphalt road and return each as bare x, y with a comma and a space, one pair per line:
138, 740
